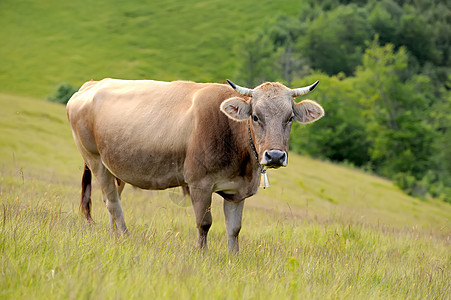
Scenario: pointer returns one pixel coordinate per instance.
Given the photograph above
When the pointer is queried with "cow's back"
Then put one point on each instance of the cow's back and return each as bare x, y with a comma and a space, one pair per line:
140, 129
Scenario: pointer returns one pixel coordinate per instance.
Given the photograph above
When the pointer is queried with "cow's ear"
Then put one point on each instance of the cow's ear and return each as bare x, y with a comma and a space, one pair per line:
308, 111
236, 108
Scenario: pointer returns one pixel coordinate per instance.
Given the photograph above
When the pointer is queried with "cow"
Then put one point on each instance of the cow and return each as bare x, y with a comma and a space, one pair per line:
205, 137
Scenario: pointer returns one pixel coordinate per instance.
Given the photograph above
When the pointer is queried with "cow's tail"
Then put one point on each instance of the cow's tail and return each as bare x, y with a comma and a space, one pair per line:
86, 186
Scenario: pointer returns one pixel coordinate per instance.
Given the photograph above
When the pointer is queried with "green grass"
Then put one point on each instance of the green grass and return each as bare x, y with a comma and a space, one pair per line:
35, 139
320, 231
48, 42
48, 251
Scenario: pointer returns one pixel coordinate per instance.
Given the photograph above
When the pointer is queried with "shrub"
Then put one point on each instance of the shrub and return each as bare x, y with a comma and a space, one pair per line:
63, 93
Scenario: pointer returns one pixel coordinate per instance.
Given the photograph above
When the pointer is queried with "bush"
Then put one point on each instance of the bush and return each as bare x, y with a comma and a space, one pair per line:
63, 93
429, 186
406, 182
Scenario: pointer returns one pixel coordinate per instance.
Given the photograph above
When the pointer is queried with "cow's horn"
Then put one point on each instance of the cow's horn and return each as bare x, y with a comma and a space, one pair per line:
304, 90
242, 90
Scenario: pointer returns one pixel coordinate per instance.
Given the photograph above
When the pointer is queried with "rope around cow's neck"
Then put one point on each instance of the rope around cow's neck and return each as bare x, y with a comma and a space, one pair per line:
262, 171
264, 181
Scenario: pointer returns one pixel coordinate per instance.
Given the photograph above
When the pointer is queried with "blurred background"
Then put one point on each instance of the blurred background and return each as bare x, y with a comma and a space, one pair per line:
383, 66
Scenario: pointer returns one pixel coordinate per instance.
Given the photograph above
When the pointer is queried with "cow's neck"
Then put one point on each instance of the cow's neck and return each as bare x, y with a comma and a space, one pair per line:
254, 150
264, 181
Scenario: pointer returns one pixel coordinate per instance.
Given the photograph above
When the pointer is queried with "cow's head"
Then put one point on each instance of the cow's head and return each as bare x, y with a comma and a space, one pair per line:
271, 110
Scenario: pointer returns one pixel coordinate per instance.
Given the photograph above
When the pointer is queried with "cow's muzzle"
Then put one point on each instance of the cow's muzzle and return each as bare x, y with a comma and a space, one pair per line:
274, 159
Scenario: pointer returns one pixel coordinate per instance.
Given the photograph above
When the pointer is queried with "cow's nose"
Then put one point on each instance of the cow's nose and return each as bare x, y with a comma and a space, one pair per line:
274, 158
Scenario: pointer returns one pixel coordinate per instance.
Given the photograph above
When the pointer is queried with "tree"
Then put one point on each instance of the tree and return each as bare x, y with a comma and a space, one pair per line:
284, 32
391, 113
384, 19
417, 36
333, 41
341, 135
397, 113
256, 60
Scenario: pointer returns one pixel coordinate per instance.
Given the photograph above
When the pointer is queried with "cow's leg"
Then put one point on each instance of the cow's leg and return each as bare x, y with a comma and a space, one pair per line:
113, 226
113, 203
201, 199
111, 197
120, 189
109, 192
233, 213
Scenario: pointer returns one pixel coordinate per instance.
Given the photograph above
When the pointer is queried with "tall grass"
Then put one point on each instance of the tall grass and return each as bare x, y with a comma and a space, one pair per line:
49, 251
320, 231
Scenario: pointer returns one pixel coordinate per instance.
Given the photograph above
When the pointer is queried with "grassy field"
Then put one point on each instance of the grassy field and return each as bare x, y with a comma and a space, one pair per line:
48, 42
321, 231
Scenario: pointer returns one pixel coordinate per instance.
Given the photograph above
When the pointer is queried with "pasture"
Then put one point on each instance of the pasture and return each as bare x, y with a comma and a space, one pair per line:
320, 231
76, 41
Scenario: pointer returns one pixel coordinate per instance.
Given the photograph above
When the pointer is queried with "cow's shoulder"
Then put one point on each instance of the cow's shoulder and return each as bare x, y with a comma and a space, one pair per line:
207, 98
217, 143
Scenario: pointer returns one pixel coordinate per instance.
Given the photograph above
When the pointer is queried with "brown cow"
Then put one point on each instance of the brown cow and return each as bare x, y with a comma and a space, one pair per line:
205, 137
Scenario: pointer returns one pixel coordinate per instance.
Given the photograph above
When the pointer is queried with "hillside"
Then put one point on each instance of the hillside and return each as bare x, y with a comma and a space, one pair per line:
36, 144
320, 231
399, 127
48, 42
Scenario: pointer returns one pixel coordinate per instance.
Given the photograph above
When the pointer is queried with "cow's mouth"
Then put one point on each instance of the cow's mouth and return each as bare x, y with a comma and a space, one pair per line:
273, 166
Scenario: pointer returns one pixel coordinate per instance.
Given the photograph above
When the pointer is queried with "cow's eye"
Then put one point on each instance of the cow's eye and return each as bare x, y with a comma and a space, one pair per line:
255, 118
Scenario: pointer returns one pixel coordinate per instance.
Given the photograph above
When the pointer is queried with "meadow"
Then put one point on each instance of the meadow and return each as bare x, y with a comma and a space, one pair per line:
49, 42
320, 231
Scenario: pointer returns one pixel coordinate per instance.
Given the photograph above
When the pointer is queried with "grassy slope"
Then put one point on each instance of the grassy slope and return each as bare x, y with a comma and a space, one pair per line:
321, 230
47, 42
35, 140
358, 237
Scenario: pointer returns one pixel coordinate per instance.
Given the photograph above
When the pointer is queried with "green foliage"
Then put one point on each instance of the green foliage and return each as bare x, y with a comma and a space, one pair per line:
389, 114
256, 62
401, 139
63, 93
333, 41
400, 121
384, 21
340, 136
415, 34
283, 34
